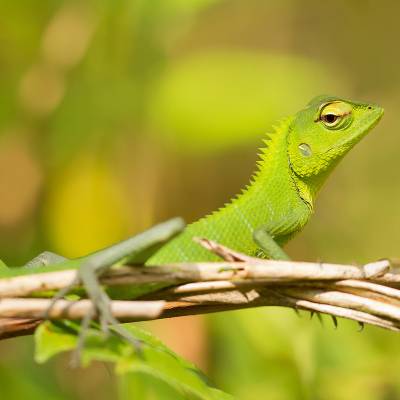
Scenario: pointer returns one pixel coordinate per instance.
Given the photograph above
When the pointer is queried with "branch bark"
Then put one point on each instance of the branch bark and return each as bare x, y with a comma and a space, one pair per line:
366, 294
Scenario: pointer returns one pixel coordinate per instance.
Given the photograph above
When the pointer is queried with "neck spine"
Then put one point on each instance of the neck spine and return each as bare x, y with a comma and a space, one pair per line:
273, 163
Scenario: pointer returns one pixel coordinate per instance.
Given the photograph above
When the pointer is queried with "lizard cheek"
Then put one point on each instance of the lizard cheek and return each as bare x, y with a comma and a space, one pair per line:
305, 149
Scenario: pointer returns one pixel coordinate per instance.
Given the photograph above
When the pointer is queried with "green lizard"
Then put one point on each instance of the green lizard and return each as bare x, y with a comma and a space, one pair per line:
297, 158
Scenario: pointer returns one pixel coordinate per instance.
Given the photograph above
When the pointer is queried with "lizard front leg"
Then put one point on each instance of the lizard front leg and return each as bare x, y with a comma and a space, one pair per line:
265, 241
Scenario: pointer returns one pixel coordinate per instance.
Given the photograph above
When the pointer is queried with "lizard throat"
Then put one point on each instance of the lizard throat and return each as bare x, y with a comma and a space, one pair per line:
304, 191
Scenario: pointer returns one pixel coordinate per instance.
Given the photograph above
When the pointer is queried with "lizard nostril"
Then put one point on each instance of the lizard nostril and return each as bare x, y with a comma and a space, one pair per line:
369, 107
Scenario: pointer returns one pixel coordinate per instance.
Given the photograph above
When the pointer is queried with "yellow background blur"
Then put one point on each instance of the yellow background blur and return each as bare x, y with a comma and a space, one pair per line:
116, 114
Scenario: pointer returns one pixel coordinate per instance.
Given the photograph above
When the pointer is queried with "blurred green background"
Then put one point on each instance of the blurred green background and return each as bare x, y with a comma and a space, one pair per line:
115, 114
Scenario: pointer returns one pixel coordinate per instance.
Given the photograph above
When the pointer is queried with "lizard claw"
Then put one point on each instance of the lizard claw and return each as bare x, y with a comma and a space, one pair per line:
321, 321
60, 295
107, 322
319, 317
101, 309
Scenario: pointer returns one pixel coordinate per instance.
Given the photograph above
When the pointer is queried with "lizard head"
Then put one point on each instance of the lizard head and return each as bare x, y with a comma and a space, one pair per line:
322, 133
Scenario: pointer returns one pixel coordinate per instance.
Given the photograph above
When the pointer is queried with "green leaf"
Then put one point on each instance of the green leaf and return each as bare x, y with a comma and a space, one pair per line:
50, 340
155, 361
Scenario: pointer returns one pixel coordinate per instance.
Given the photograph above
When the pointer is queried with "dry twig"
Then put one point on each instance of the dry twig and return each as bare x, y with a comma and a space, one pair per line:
365, 294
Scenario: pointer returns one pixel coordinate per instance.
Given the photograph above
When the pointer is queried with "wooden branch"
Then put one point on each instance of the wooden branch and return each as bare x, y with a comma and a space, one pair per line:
254, 270
65, 309
12, 327
366, 294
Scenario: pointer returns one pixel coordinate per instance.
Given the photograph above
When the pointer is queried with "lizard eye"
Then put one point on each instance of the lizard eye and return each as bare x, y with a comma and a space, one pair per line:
329, 119
336, 115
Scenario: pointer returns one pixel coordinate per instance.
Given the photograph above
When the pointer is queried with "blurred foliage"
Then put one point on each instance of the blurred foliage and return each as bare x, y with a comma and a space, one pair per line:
154, 361
117, 114
254, 87
99, 207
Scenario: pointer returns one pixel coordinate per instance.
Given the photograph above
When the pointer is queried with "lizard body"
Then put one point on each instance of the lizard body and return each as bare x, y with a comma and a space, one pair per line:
295, 162
297, 158
271, 200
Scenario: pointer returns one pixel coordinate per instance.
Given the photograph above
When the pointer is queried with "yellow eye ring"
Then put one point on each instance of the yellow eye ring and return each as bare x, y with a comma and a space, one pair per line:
336, 115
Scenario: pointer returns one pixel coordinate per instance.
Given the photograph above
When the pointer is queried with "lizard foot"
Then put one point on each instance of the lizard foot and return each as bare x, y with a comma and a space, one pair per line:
101, 311
135, 250
108, 323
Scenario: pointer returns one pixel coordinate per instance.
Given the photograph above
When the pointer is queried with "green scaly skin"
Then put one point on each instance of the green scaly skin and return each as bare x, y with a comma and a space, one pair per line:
280, 198
295, 162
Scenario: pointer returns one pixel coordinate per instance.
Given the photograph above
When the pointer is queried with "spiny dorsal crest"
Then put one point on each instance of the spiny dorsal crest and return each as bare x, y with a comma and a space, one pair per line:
280, 128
